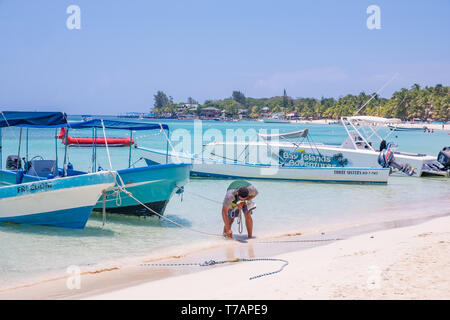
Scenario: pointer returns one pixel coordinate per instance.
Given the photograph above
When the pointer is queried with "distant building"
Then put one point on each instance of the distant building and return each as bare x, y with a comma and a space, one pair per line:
292, 116
210, 112
243, 113
265, 112
191, 105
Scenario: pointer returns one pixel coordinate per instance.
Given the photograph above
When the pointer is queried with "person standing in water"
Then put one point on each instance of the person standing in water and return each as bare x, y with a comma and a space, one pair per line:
238, 197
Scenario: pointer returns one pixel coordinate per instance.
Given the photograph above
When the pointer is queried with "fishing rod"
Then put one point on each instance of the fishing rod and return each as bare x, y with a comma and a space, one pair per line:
376, 93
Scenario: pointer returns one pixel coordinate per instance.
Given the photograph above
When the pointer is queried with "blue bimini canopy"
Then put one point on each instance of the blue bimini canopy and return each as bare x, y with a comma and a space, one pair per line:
113, 124
32, 119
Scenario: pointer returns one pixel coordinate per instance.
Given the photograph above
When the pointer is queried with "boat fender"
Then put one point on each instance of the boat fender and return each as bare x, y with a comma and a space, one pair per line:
100, 168
69, 166
50, 176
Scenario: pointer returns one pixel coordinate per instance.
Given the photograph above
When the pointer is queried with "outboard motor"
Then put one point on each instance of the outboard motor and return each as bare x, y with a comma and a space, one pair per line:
13, 162
444, 158
383, 145
386, 160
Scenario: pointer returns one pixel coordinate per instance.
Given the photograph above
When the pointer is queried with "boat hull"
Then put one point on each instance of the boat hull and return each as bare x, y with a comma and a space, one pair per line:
62, 202
216, 169
274, 120
322, 155
151, 185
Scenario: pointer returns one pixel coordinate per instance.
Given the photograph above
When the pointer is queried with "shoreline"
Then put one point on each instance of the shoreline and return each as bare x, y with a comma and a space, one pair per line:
105, 279
417, 125
421, 125
402, 263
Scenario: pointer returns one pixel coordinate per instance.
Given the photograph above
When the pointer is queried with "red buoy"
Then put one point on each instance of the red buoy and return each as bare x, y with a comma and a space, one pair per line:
89, 142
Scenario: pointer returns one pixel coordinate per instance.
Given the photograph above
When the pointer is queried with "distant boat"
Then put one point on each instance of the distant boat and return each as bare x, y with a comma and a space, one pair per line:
86, 117
397, 128
275, 120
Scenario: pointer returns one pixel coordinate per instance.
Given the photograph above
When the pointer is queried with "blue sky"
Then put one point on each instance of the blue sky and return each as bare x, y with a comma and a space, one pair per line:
127, 50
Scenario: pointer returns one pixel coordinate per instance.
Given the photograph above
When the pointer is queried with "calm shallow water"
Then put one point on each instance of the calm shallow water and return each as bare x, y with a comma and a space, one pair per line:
281, 206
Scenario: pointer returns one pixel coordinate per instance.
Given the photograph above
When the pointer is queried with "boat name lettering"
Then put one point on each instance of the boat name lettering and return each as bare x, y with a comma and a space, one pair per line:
302, 159
356, 172
35, 187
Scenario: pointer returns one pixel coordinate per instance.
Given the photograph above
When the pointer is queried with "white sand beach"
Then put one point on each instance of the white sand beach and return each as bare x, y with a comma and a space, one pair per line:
402, 263
406, 125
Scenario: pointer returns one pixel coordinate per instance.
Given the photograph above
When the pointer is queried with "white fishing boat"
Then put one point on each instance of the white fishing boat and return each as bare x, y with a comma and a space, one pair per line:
364, 147
214, 166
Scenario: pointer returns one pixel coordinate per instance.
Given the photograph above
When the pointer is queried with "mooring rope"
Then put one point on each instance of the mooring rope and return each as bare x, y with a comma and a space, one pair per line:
214, 262
122, 189
302, 240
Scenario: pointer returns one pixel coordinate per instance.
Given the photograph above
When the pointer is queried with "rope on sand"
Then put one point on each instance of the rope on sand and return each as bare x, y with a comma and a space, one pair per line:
214, 262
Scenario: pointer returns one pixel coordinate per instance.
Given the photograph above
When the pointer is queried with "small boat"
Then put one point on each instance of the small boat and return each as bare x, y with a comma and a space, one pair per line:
275, 120
86, 117
399, 128
152, 185
89, 142
41, 194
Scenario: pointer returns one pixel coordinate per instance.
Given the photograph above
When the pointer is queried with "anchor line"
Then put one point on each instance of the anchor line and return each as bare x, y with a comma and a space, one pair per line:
121, 188
214, 262
303, 240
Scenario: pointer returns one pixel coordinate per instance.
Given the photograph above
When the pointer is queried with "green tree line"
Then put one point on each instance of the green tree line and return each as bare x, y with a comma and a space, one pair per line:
406, 104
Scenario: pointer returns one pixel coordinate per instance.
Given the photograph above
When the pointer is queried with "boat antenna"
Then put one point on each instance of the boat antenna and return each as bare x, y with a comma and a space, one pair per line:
376, 93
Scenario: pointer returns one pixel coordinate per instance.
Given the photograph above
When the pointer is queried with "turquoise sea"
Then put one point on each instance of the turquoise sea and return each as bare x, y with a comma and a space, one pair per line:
282, 207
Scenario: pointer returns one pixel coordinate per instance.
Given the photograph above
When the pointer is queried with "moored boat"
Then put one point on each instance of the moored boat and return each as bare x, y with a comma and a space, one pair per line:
362, 148
153, 186
51, 198
218, 167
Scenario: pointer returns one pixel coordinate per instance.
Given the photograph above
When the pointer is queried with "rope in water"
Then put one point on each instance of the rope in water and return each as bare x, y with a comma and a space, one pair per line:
122, 189
214, 262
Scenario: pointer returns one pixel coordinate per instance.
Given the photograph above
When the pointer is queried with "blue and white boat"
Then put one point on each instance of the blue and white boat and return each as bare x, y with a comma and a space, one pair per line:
151, 185
44, 195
